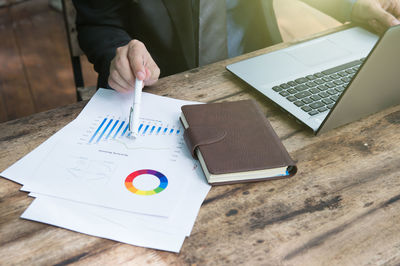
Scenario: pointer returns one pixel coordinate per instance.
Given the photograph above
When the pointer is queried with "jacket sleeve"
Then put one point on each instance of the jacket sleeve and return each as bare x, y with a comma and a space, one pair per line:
339, 9
101, 26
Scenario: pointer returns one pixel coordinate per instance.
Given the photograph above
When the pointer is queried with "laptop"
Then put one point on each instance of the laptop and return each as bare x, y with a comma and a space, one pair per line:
332, 80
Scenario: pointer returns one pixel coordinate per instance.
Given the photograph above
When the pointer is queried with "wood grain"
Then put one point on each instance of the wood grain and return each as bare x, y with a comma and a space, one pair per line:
3, 110
342, 208
47, 65
36, 72
16, 99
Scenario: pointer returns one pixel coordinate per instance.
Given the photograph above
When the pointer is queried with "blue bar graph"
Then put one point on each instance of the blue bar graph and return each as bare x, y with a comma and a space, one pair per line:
145, 129
112, 129
119, 129
126, 128
97, 130
102, 133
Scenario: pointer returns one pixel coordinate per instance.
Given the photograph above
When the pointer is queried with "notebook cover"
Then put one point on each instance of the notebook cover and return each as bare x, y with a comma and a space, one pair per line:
234, 137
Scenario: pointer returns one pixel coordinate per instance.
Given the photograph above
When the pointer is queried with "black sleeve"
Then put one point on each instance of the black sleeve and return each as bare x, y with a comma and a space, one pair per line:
102, 27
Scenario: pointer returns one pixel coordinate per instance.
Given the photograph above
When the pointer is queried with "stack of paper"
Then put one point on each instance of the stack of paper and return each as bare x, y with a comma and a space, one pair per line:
94, 178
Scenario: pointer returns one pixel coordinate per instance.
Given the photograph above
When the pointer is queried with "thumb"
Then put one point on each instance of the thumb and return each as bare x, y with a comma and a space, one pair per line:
141, 75
386, 19
139, 69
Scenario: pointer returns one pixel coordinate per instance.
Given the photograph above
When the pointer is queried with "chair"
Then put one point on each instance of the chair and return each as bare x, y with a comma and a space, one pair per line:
69, 13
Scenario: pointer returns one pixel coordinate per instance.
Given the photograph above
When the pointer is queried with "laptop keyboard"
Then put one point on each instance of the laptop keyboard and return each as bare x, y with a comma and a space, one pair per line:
318, 93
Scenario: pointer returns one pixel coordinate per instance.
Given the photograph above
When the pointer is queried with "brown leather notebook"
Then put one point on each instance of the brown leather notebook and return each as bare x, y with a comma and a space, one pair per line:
235, 142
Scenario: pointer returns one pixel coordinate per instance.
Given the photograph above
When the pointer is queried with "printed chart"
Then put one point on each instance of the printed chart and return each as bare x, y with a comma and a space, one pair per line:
111, 133
90, 170
109, 128
163, 182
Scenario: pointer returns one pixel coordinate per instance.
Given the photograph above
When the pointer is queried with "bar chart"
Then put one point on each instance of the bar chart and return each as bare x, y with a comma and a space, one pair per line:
108, 128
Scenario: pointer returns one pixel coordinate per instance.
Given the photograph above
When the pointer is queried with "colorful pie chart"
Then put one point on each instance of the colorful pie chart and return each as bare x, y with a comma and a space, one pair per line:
161, 177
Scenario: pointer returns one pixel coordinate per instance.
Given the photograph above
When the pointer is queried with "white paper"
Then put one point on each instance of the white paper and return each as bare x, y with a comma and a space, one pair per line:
166, 233
72, 217
180, 222
22, 169
92, 163
98, 178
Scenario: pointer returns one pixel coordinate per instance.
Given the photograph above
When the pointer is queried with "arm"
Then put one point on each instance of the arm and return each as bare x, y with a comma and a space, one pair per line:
380, 14
101, 29
103, 37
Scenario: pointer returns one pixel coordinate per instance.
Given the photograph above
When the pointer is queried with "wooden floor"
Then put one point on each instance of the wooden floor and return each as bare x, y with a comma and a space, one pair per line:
36, 72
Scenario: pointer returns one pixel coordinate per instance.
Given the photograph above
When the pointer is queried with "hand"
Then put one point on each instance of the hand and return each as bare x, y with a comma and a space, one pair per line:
379, 14
132, 61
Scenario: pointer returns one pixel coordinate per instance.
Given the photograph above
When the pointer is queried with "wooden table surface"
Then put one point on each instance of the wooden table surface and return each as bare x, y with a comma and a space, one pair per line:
342, 207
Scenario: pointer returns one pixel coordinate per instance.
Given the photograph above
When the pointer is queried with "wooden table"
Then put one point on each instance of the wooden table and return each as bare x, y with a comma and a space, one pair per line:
342, 207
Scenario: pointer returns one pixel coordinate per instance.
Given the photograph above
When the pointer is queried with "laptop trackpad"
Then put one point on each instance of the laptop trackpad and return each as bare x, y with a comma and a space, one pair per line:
317, 53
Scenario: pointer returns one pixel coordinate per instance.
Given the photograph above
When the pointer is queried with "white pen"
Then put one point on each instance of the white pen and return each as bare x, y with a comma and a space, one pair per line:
135, 109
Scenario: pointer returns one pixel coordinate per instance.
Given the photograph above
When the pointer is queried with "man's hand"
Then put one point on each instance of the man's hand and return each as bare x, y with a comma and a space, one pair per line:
379, 14
132, 61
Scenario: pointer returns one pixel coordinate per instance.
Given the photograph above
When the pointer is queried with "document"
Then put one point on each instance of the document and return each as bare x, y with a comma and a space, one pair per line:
21, 170
97, 164
73, 217
79, 176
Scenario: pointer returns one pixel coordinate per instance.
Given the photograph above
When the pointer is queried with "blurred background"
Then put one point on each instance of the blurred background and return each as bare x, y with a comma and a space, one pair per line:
35, 65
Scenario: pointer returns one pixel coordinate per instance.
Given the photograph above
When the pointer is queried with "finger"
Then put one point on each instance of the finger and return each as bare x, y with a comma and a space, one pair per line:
152, 72
121, 64
395, 22
151, 80
120, 80
377, 26
395, 9
385, 18
115, 86
117, 83
136, 54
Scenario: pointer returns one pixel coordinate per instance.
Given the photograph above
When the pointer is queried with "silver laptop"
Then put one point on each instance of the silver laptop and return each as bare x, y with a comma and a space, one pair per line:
332, 80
